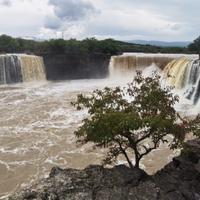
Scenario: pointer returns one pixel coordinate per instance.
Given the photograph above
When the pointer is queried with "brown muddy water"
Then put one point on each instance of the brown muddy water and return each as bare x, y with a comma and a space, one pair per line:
37, 123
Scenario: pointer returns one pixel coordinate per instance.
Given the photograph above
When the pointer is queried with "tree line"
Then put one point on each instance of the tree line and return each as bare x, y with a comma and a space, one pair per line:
9, 44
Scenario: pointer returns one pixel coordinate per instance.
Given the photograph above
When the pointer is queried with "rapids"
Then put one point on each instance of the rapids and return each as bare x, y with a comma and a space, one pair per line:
37, 123
36, 133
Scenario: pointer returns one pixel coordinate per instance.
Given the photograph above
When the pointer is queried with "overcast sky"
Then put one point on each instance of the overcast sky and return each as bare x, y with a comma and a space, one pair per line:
167, 20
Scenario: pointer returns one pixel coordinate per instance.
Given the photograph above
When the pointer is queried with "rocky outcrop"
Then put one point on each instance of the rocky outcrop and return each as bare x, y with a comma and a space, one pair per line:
76, 66
179, 180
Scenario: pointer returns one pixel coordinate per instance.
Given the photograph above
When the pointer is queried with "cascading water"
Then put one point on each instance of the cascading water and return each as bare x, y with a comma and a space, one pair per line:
181, 71
21, 68
32, 68
184, 74
129, 62
176, 72
10, 69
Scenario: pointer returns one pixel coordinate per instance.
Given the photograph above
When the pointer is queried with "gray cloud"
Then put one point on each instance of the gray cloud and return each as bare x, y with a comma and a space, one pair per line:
5, 3
52, 22
175, 27
72, 10
178, 19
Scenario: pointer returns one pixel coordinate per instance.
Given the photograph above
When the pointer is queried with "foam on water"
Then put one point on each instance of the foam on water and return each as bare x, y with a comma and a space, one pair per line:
36, 131
37, 123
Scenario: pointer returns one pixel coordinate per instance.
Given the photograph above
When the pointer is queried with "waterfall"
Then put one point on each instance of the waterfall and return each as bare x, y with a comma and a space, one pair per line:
10, 71
176, 72
129, 62
179, 70
32, 68
184, 74
15, 68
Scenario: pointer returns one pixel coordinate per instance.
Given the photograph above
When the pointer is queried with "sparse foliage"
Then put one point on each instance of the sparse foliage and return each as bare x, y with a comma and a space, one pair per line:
132, 121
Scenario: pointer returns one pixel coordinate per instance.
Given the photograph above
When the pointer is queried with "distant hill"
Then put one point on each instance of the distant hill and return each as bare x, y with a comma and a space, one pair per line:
161, 43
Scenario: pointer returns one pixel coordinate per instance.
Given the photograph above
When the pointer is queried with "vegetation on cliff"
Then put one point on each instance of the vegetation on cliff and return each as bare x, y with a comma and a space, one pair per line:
133, 121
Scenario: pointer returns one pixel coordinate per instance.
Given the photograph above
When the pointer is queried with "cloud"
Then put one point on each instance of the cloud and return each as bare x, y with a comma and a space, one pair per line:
24, 18
72, 10
5, 3
175, 27
52, 22
132, 24
128, 19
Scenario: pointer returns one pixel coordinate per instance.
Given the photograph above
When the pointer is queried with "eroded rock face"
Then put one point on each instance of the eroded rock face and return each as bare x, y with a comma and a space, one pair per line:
76, 66
179, 180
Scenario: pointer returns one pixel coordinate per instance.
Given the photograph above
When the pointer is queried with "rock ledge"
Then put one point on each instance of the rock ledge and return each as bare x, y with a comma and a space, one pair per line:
179, 180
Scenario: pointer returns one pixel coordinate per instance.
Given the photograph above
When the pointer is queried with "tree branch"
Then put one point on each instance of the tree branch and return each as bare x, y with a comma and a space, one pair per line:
144, 137
148, 150
125, 154
133, 145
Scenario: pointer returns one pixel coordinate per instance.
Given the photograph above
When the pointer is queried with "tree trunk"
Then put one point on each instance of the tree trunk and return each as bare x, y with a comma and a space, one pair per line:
137, 162
127, 158
137, 157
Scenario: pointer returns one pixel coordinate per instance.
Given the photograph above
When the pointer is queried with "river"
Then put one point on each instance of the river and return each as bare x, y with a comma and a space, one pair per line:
37, 123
